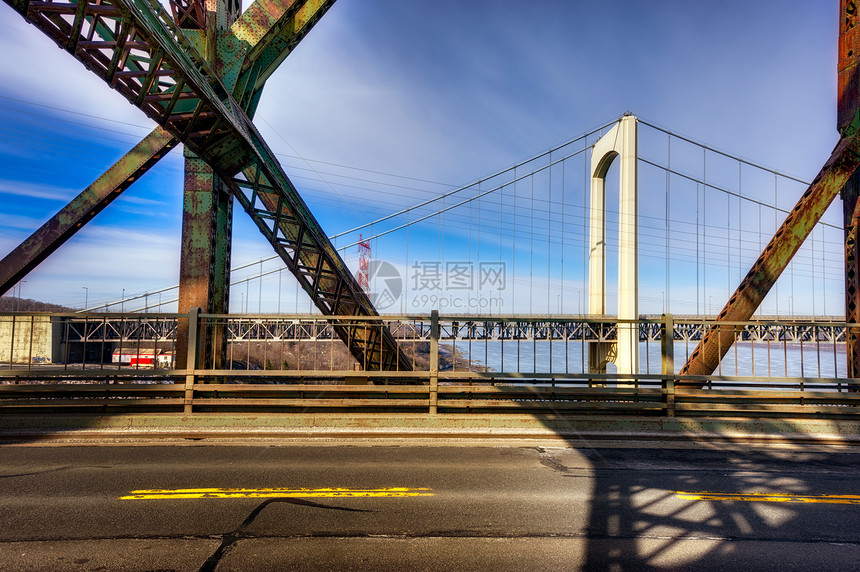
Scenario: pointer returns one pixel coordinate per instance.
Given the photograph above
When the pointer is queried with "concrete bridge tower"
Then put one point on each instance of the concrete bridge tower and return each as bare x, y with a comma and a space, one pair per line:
620, 142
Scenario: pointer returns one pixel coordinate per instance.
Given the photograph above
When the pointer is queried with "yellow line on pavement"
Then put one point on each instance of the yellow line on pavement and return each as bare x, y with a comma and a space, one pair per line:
770, 497
218, 493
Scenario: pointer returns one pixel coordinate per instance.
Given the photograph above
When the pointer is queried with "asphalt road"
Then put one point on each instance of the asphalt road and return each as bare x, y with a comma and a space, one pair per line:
400, 507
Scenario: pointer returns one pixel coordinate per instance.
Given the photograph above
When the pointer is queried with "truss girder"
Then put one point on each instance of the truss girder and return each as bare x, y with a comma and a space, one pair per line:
119, 330
851, 217
92, 200
142, 54
293, 21
271, 29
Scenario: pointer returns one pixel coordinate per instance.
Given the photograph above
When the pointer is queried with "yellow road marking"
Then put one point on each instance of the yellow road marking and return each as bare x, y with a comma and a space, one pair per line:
770, 497
217, 493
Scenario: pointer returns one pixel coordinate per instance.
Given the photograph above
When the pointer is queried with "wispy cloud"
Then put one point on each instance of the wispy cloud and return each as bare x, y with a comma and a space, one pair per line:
21, 222
36, 190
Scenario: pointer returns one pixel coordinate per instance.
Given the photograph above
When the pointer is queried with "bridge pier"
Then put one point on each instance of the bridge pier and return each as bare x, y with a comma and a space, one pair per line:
204, 273
207, 207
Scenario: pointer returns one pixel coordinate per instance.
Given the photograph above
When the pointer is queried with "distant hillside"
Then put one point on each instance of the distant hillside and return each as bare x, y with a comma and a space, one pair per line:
13, 304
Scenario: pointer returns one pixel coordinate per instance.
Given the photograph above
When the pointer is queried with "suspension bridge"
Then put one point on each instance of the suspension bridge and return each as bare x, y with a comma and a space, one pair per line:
616, 265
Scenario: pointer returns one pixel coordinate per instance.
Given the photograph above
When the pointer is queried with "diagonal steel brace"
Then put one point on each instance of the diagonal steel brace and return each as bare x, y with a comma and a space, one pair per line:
91, 201
782, 247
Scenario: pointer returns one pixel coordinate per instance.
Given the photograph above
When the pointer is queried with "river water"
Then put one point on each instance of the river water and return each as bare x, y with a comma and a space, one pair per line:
774, 360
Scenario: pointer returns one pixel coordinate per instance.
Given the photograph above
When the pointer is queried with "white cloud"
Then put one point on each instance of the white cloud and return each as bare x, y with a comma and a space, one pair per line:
42, 73
36, 190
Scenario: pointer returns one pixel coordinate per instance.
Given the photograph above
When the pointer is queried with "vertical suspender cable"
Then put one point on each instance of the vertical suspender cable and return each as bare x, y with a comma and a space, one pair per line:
548, 235
729, 280
698, 255
441, 259
406, 268
760, 248
501, 225
478, 242
705, 299
586, 216
531, 243
563, 224
812, 264
668, 195
514, 250
775, 226
740, 224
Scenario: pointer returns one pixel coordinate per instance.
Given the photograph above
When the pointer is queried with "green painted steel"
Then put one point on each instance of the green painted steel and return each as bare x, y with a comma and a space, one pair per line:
92, 200
173, 84
271, 30
204, 274
207, 210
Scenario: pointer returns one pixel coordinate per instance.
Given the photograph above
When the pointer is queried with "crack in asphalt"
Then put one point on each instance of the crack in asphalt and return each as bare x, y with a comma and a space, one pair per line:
549, 460
54, 470
231, 538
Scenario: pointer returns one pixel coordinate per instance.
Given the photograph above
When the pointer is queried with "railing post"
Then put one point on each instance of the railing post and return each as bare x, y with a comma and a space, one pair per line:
12, 341
667, 353
434, 361
191, 361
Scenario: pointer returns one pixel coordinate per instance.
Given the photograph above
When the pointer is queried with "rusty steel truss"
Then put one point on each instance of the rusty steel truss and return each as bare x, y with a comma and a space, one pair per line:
202, 87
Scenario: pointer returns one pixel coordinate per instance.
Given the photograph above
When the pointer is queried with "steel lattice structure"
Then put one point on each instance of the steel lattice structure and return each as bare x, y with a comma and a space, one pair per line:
138, 49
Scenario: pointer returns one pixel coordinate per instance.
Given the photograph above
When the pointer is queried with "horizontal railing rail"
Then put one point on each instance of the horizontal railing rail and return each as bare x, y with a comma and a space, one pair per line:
533, 365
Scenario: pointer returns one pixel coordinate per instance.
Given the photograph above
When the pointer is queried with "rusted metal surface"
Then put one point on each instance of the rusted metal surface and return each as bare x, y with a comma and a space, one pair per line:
317, 270
166, 77
204, 271
207, 223
848, 107
667, 359
271, 29
189, 14
766, 270
451, 398
848, 67
92, 200
207, 207
835, 175
433, 391
851, 215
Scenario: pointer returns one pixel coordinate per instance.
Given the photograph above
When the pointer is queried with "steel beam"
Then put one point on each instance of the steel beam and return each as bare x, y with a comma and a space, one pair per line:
848, 106
92, 200
851, 214
204, 273
181, 92
271, 29
54, 233
763, 275
207, 217
848, 67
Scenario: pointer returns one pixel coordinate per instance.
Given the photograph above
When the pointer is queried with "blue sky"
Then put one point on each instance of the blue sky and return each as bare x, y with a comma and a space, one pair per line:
442, 92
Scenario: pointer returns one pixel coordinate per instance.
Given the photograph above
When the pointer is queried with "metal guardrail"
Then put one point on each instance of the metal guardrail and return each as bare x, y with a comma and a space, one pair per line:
460, 364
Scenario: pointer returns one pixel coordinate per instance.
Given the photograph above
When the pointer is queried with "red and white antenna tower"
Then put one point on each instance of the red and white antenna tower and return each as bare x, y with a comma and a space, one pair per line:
363, 263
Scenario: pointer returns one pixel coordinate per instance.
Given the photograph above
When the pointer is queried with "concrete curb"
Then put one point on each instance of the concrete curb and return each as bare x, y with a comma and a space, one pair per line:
404, 426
